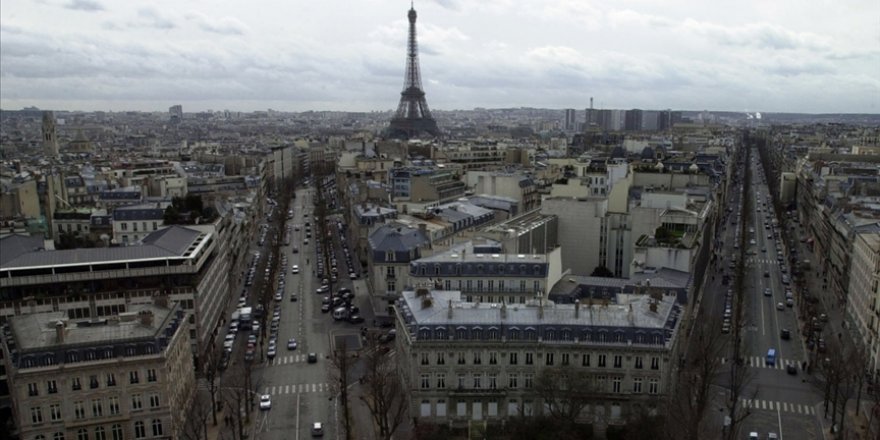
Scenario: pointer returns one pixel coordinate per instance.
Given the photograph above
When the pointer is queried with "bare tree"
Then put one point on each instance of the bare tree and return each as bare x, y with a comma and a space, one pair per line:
384, 393
565, 392
196, 426
342, 363
212, 377
235, 397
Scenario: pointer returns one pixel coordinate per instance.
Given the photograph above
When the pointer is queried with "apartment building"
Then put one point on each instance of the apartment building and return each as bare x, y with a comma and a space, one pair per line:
126, 375
134, 222
184, 263
483, 273
863, 306
468, 361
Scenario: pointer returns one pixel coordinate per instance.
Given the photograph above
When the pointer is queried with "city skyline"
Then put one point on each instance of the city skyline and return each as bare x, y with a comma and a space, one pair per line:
98, 55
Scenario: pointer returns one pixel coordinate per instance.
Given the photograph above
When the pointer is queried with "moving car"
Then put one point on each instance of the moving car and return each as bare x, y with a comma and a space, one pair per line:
317, 429
265, 402
313, 358
291, 344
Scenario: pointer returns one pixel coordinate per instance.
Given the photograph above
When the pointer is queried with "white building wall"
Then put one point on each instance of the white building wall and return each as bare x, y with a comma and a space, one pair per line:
580, 228
864, 294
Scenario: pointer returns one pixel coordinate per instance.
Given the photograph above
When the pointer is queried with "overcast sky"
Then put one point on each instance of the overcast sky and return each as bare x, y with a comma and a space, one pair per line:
747, 55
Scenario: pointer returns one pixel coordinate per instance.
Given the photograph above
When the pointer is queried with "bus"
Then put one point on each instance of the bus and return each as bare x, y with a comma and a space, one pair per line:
245, 317
771, 357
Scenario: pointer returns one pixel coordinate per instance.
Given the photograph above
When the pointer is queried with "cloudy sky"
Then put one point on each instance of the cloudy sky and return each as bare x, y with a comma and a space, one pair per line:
747, 55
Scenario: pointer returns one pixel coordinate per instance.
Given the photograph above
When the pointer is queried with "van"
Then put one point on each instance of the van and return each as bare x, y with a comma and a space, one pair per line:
340, 313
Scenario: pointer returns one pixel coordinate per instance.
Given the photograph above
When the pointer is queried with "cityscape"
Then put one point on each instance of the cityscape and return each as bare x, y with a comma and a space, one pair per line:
644, 257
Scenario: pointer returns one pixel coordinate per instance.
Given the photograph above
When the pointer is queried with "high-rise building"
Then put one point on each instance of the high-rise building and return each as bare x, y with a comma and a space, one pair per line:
413, 116
50, 137
570, 119
175, 113
633, 120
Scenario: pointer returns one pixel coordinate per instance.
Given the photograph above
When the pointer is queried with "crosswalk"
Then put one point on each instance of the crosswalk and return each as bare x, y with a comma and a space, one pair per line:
300, 388
778, 406
763, 261
292, 359
759, 362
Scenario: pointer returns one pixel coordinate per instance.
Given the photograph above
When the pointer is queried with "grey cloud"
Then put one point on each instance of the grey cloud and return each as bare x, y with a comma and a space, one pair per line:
760, 35
150, 17
221, 25
448, 4
84, 5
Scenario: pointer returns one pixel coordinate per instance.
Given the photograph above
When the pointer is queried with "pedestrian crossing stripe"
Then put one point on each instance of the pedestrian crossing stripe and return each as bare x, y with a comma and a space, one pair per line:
763, 261
293, 359
760, 362
299, 388
770, 405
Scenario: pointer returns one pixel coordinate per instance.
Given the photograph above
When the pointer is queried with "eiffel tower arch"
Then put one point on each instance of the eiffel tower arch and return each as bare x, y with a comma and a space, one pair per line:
413, 118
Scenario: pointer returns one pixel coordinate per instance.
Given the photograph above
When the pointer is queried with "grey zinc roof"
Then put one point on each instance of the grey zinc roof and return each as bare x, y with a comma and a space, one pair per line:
37, 330
139, 212
165, 243
13, 246
633, 311
398, 239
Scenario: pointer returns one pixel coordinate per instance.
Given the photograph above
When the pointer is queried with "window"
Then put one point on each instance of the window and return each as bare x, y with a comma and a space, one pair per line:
116, 431
155, 226
493, 381
151, 375
36, 414
424, 359
157, 427
52, 387
585, 360
565, 358
441, 359
618, 361
133, 377
124, 226
93, 381
441, 381
637, 385
144, 224
32, 389
602, 360
58, 436
478, 377
513, 380
493, 334
136, 401
82, 434
653, 386
79, 410
478, 358
134, 226
615, 385
426, 381
528, 380
100, 434
549, 357
530, 358
655, 363
513, 334
493, 358
638, 362
154, 400
461, 378
460, 358
513, 358
55, 412
139, 431
461, 333
111, 380
97, 408
75, 385
114, 405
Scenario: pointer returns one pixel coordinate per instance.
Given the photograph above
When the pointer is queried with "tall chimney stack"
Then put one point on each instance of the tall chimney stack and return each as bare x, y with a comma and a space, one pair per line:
577, 308
59, 331
449, 310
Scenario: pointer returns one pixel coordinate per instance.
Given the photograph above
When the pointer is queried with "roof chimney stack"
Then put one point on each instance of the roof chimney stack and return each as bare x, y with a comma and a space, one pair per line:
59, 331
577, 308
449, 310
146, 317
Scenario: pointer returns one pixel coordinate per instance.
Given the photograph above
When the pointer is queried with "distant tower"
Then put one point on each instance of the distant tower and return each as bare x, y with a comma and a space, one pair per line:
50, 138
413, 116
175, 113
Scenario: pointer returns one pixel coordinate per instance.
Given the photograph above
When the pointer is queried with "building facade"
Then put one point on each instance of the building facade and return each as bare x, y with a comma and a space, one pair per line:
464, 361
123, 376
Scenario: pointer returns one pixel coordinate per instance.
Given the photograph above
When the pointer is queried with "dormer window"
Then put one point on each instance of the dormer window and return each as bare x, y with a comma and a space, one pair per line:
389, 256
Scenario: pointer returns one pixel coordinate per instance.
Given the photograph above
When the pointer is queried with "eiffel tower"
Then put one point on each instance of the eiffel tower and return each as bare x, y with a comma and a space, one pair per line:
413, 117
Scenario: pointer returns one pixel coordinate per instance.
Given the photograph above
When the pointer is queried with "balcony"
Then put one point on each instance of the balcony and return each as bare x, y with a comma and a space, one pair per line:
465, 392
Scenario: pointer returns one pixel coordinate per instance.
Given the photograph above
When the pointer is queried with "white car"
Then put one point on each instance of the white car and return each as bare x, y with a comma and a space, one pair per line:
265, 402
295, 269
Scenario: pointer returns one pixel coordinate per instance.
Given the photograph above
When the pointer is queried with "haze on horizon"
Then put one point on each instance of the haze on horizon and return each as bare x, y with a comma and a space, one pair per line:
748, 55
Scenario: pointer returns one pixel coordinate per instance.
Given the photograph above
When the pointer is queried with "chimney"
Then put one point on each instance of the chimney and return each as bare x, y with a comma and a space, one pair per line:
540, 307
146, 317
503, 309
93, 308
577, 308
161, 300
449, 310
59, 331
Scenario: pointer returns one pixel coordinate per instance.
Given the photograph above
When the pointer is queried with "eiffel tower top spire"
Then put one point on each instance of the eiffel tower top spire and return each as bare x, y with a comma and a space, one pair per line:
413, 116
